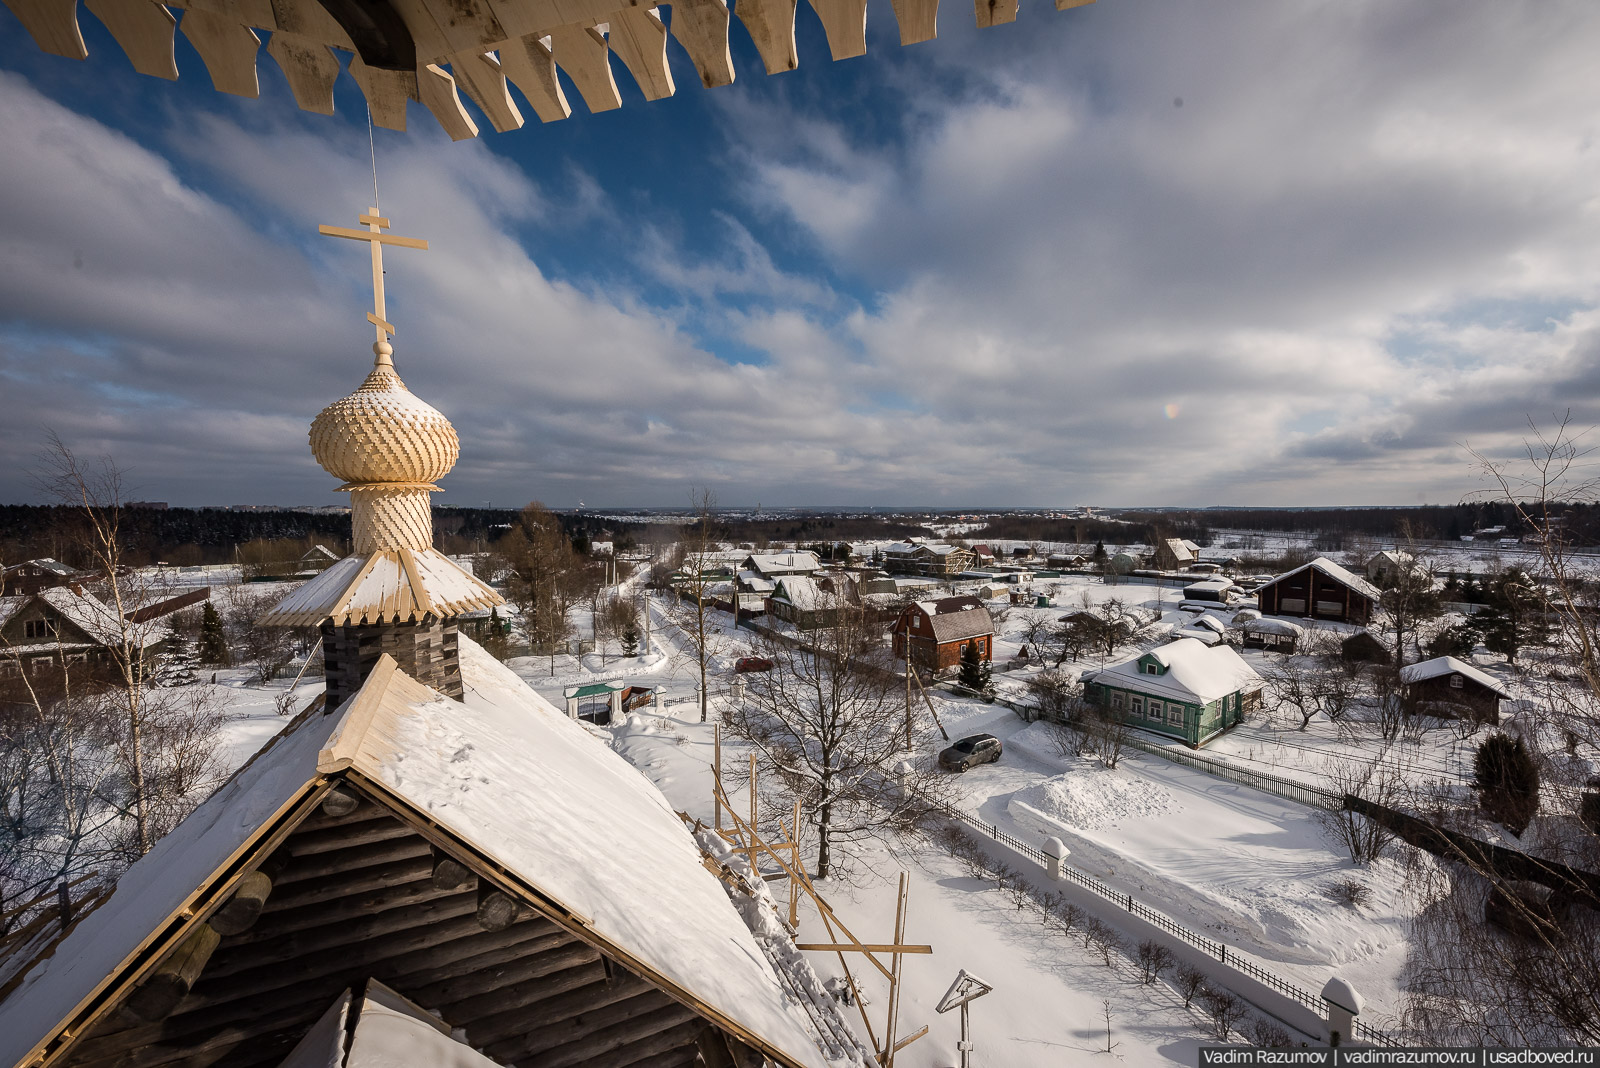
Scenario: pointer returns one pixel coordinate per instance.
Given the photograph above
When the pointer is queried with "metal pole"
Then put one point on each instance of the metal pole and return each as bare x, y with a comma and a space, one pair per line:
965, 1045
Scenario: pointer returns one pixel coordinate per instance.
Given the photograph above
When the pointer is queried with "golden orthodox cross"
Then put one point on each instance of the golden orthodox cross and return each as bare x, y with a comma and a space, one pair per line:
375, 225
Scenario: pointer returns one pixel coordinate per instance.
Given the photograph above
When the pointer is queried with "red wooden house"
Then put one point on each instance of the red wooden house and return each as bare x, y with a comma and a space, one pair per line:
1320, 590
937, 632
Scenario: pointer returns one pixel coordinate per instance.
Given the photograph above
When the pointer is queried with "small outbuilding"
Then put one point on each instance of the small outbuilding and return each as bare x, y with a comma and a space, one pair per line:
1279, 635
1173, 554
1217, 589
1452, 689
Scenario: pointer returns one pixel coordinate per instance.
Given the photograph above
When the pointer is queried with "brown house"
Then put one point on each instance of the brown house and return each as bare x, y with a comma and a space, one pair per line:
1452, 689
31, 576
55, 625
1173, 554
937, 632
1320, 590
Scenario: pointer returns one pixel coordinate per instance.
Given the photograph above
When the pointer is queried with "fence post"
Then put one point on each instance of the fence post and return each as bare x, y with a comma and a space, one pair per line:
64, 899
1130, 902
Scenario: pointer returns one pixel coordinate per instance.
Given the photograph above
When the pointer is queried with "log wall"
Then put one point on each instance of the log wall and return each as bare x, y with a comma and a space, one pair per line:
353, 897
428, 651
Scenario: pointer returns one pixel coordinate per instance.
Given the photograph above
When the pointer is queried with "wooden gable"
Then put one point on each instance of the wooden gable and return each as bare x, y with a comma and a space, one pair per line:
357, 892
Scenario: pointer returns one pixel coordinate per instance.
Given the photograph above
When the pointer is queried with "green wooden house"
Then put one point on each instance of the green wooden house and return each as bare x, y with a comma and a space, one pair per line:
1184, 690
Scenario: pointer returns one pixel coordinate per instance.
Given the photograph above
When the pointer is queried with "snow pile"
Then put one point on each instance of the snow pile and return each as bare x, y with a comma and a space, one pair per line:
1091, 798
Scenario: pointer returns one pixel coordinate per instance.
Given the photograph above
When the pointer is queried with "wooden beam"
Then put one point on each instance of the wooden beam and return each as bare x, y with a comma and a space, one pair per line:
386, 91
572, 1003
310, 68
437, 91
244, 907
497, 909
575, 1027
156, 997
771, 26
145, 30
994, 12
581, 52
918, 19
448, 872
485, 82
845, 23
639, 39
373, 910
228, 48
342, 884
382, 239
654, 1032
531, 67
1062, 5
53, 25
868, 947
701, 27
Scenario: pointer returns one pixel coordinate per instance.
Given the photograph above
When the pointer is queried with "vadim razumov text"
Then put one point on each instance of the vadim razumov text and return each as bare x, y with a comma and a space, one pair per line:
1368, 1057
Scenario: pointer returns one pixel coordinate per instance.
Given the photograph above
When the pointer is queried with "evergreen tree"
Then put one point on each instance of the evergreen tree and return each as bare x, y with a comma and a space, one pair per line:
630, 639
177, 665
975, 671
1507, 781
213, 640
1099, 556
494, 640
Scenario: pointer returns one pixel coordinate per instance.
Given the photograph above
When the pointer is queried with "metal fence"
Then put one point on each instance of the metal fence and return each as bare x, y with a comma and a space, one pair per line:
1166, 923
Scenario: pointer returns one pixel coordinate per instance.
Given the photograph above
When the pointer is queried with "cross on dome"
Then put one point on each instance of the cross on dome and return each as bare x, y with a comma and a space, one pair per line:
375, 225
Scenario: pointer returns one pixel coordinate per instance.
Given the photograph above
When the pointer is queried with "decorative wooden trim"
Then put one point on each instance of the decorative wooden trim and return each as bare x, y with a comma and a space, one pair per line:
639, 38
144, 30
701, 27
918, 19
228, 48
343, 746
581, 51
481, 76
771, 26
53, 25
845, 23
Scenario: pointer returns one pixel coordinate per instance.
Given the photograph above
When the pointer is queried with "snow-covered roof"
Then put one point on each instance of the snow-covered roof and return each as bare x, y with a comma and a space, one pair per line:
1203, 635
1211, 623
1281, 627
1193, 672
784, 563
1216, 585
956, 626
1448, 665
87, 612
388, 1031
392, 584
506, 776
752, 581
46, 563
1338, 574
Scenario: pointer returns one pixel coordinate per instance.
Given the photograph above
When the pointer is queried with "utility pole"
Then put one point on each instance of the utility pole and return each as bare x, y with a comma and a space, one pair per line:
908, 688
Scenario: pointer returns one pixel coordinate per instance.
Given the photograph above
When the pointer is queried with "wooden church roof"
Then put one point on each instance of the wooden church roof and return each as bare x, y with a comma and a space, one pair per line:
625, 947
432, 50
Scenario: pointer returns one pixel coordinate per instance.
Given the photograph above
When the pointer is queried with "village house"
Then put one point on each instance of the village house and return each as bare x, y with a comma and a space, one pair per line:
933, 559
937, 632
1320, 590
1452, 689
64, 625
1216, 590
775, 565
811, 602
31, 576
1387, 566
1173, 554
1184, 690
982, 555
1278, 635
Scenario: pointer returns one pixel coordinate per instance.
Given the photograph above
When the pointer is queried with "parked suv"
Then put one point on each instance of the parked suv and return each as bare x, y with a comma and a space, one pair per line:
976, 749
752, 663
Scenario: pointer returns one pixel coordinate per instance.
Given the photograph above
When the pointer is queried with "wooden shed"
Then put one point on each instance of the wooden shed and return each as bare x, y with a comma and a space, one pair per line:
486, 860
1452, 689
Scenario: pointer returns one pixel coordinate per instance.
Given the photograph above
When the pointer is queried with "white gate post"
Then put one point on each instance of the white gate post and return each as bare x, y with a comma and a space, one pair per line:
1054, 852
1344, 1005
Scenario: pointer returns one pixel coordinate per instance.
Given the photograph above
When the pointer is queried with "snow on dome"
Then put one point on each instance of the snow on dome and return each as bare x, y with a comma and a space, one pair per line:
384, 433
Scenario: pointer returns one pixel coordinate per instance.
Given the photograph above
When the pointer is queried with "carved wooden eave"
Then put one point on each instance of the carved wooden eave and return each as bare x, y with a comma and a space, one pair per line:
433, 50
389, 586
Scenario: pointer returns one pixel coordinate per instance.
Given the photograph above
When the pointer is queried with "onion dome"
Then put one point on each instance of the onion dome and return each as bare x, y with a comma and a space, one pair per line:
383, 432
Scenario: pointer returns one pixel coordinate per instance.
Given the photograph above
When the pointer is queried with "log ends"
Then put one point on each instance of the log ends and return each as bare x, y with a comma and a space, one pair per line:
497, 909
448, 872
156, 997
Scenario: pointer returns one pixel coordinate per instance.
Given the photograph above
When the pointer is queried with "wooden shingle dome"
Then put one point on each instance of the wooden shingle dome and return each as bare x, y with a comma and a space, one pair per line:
384, 433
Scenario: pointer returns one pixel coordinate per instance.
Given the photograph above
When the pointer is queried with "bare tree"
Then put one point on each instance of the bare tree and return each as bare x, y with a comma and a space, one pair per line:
828, 726
693, 609
543, 577
1293, 687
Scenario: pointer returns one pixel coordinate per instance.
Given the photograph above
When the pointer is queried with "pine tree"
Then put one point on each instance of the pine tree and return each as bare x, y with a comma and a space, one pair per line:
630, 639
1507, 781
177, 665
213, 640
974, 669
1099, 556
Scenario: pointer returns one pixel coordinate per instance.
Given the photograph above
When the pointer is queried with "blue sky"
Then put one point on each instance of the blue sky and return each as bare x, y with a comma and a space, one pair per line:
1247, 253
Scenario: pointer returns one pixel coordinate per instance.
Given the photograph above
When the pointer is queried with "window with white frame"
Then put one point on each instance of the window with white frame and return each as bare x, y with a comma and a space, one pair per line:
1136, 706
38, 628
1155, 709
1116, 700
1175, 715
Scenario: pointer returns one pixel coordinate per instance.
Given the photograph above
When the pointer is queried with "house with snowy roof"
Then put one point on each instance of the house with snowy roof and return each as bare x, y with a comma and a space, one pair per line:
934, 559
1173, 554
811, 602
1389, 564
31, 576
1452, 689
936, 633
66, 625
1320, 590
1184, 690
776, 565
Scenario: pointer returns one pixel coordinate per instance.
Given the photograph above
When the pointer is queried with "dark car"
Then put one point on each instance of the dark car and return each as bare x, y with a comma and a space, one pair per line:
752, 663
977, 749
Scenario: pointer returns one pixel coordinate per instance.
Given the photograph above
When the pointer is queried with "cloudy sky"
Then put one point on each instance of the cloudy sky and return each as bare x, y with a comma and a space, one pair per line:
1137, 253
